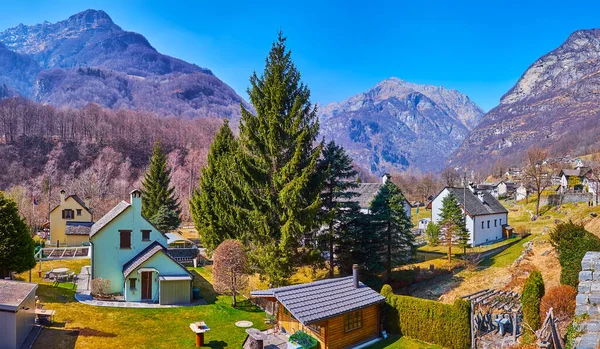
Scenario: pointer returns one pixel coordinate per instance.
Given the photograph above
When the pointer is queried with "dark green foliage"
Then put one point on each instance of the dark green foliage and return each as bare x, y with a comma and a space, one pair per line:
433, 322
303, 339
16, 245
157, 189
572, 242
452, 219
215, 205
356, 245
432, 234
278, 157
165, 219
391, 227
533, 291
337, 209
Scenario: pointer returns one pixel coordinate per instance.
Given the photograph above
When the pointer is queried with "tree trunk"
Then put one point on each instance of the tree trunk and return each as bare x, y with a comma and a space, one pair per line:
537, 204
389, 256
233, 302
450, 252
331, 266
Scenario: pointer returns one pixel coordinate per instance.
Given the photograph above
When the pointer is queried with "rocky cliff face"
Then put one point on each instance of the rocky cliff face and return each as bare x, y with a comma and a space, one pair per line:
555, 104
88, 58
398, 124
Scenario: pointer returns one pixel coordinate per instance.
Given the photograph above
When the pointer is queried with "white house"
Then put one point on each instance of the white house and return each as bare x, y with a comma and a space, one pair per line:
423, 223
368, 191
485, 215
521, 193
17, 312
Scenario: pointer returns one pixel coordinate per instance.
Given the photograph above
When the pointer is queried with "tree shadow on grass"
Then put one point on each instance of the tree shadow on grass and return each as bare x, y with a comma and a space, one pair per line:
55, 294
247, 306
216, 344
207, 291
53, 337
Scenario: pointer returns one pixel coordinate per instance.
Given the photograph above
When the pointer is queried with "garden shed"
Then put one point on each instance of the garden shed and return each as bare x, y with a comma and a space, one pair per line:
17, 312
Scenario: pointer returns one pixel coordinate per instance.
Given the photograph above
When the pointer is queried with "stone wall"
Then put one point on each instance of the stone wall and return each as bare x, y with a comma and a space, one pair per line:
558, 199
588, 301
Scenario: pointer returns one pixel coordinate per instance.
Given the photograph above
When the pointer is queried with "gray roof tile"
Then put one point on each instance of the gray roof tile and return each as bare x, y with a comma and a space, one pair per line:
78, 228
320, 300
145, 255
476, 207
107, 218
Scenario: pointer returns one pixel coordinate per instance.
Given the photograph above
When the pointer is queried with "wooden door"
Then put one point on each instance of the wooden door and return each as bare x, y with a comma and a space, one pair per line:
146, 285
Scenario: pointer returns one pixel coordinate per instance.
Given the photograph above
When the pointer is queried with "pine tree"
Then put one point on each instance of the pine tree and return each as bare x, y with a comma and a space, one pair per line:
336, 197
165, 219
157, 189
215, 204
391, 226
279, 159
355, 244
16, 244
452, 224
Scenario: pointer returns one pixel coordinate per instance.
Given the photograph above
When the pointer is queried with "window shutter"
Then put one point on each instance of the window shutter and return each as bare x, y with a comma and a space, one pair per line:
63, 214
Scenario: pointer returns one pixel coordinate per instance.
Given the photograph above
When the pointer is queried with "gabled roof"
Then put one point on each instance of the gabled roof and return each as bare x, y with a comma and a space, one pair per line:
78, 228
476, 207
145, 255
109, 216
320, 300
578, 172
367, 193
77, 199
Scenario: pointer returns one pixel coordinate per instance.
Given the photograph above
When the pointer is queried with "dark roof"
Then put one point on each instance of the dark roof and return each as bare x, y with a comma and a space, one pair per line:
145, 255
191, 252
108, 217
578, 172
13, 293
320, 300
77, 199
78, 228
476, 207
366, 194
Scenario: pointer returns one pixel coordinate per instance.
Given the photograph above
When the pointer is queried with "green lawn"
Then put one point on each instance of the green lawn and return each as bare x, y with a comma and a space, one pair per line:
415, 217
508, 256
403, 343
479, 249
82, 326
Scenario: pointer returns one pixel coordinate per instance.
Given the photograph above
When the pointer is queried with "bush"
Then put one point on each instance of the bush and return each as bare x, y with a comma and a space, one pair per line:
533, 291
432, 234
522, 231
100, 287
562, 301
429, 321
304, 340
572, 241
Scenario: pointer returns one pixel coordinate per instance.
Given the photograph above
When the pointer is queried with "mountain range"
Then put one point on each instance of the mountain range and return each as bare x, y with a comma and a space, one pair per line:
555, 105
88, 58
398, 124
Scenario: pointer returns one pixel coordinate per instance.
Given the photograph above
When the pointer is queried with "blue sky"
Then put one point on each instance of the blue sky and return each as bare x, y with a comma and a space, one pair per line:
343, 48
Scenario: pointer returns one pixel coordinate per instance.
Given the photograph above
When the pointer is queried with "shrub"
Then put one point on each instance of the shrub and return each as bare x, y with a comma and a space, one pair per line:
434, 322
522, 231
100, 287
432, 234
562, 301
304, 340
533, 291
572, 241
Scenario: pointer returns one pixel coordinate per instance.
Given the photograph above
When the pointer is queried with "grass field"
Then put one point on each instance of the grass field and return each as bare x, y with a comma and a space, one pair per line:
395, 342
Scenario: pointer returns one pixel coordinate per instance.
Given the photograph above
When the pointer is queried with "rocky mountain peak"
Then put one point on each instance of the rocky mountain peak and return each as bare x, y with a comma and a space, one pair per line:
90, 18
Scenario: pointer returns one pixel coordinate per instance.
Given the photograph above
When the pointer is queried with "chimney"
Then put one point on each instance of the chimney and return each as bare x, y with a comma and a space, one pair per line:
355, 275
86, 201
472, 187
62, 196
480, 196
385, 178
135, 199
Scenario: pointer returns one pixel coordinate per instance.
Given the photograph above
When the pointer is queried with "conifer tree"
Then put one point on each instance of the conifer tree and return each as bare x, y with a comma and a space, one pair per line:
16, 245
337, 208
279, 158
391, 226
215, 204
157, 190
452, 224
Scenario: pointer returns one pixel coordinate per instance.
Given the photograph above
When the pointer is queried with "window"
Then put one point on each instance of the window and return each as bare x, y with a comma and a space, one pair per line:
482, 224
353, 321
146, 235
315, 328
132, 283
495, 222
68, 214
488, 224
79, 212
125, 241
500, 221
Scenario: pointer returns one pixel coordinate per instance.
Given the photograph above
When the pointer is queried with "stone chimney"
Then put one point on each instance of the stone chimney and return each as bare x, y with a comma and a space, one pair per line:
135, 199
385, 178
480, 196
355, 275
62, 196
472, 187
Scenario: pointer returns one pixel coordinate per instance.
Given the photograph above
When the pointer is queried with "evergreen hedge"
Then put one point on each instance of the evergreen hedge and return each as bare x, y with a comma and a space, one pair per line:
572, 242
433, 322
533, 291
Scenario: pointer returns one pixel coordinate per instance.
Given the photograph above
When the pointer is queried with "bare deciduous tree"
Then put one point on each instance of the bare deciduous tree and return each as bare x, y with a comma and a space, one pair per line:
538, 174
230, 268
450, 177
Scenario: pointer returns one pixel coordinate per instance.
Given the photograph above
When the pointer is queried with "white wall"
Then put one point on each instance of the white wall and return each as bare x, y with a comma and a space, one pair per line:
8, 332
15, 327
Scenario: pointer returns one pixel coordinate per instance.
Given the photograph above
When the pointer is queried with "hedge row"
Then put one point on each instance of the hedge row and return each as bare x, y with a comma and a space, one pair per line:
533, 291
429, 321
572, 242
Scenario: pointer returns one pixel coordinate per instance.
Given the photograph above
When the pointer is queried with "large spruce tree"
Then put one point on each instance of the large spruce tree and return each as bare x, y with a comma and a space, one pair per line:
452, 224
215, 205
16, 244
391, 227
337, 209
157, 189
279, 158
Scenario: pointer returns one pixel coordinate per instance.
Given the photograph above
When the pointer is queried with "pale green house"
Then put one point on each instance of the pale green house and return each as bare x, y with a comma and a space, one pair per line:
131, 253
